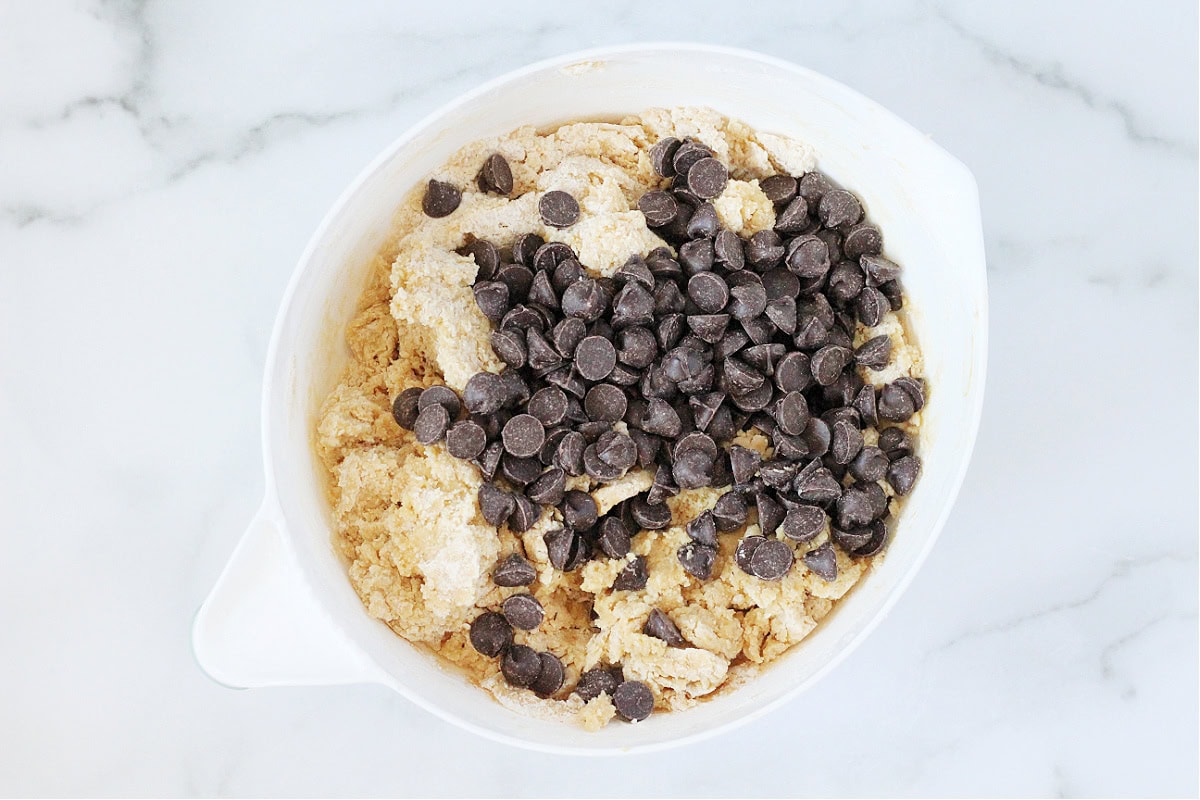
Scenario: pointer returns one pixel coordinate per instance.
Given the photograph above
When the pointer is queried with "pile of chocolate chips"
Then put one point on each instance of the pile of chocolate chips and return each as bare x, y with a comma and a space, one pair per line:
659, 367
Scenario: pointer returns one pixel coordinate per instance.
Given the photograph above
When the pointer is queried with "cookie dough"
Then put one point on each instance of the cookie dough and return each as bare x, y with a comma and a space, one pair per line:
419, 553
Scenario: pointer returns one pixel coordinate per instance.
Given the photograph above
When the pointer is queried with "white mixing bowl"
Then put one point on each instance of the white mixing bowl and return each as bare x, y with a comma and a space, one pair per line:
283, 611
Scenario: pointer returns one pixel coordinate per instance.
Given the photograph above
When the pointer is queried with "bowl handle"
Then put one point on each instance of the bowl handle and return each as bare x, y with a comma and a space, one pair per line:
262, 626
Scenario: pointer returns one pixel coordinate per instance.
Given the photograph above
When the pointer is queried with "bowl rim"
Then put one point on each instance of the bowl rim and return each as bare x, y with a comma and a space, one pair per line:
303, 264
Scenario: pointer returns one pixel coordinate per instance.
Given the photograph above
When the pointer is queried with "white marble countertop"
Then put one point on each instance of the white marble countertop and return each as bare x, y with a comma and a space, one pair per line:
162, 166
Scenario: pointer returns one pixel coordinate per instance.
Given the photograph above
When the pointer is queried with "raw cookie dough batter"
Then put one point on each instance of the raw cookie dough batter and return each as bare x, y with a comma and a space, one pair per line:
419, 552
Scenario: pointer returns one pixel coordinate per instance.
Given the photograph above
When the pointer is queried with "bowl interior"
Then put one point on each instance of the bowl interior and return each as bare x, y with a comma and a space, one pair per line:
924, 201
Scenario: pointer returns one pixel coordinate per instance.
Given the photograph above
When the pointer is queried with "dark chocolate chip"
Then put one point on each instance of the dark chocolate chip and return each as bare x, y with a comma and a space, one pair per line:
707, 178
440, 395
595, 358
727, 250
432, 423
519, 280
633, 305
745, 551
521, 666
862, 239
688, 154
895, 443
662, 155
709, 292
660, 626
605, 403
703, 529
818, 486
793, 373
870, 464
492, 299
845, 441
440, 199
494, 503
523, 611
484, 393
817, 437
579, 510
525, 514
465, 440
569, 455
514, 571
793, 218
523, 436
586, 299
617, 450
696, 256
791, 413
633, 576
613, 537
838, 208
745, 463
902, 474
659, 208
856, 507
549, 487
828, 362
558, 209
404, 408
803, 523
598, 681
730, 512
771, 560
822, 561
509, 346
633, 701
870, 306
697, 559
879, 269
490, 634
813, 187
765, 250
489, 461
486, 256
650, 516
550, 678
779, 189
770, 513
496, 176
846, 280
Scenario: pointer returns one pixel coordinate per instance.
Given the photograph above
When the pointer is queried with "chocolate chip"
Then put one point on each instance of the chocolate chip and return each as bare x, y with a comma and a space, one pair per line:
565, 274
516, 388
902, 474
494, 503
486, 256
520, 666
558, 209
617, 450
791, 413
490, 634
870, 464
561, 547
895, 443
845, 442
745, 551
692, 469
822, 561
705, 407
771, 560
523, 436
633, 576
813, 187
808, 257
793, 373
633, 701
875, 542
727, 250
730, 512
431, 425
489, 461
605, 403
662, 155
846, 280
870, 306
549, 487
548, 405
440, 199
660, 626
703, 223
828, 362
744, 462
770, 513
492, 299
862, 239
803, 523
697, 559
596, 682
819, 486
765, 250
855, 508
688, 154
569, 455
579, 510
777, 473
484, 393
696, 256
633, 305
465, 440
703, 529
524, 514
874, 353
514, 571
509, 347
838, 208
659, 208
440, 395
518, 279
404, 408
650, 516
542, 293
779, 189
550, 678
897, 402
585, 299
496, 175
661, 419
817, 437
879, 269
523, 611
708, 291
707, 178
595, 358
793, 218
613, 537
747, 302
